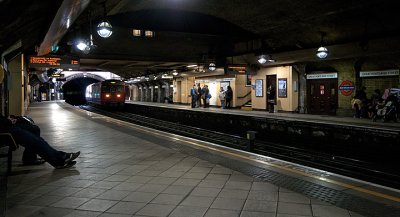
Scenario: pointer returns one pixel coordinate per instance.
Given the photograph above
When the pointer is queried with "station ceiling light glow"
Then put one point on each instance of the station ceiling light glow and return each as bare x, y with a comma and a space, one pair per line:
212, 67
262, 59
322, 52
104, 28
82, 45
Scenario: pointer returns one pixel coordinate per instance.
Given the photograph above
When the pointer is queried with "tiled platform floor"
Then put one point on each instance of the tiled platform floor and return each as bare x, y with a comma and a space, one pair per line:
120, 173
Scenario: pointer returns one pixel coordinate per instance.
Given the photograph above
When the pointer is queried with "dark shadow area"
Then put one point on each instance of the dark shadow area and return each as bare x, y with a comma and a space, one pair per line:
74, 90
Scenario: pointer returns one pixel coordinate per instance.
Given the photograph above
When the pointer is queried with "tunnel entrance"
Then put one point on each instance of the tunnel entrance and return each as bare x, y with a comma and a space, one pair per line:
74, 90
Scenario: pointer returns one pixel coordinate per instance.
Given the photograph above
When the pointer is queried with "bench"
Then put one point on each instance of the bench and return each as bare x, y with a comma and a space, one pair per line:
7, 140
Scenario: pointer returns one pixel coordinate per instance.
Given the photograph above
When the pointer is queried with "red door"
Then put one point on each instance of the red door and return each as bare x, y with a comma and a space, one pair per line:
322, 96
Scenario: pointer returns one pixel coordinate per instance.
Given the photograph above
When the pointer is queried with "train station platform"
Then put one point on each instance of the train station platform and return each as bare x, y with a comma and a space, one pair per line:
128, 170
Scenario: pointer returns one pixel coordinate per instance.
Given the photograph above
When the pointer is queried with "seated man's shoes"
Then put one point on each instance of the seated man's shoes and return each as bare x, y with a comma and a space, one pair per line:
36, 162
72, 156
69, 160
67, 165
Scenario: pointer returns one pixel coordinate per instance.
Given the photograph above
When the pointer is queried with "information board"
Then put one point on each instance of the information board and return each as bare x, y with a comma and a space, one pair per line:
64, 62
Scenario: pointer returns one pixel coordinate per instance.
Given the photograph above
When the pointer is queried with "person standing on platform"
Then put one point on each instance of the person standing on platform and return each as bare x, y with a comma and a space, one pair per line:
222, 97
199, 93
360, 103
228, 97
193, 91
37, 144
205, 96
271, 93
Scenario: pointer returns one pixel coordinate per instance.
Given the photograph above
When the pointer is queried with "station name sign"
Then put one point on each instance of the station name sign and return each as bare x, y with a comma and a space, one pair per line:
64, 62
393, 72
322, 76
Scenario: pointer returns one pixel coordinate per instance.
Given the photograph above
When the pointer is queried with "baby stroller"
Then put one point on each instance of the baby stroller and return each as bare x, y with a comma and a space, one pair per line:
387, 112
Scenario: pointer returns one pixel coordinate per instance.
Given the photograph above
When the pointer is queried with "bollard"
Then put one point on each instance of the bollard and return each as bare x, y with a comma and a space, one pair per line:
251, 136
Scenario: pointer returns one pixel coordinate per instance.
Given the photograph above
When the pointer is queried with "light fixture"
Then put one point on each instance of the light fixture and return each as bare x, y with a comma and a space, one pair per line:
81, 45
175, 73
322, 51
136, 32
262, 59
104, 29
212, 67
149, 34
85, 45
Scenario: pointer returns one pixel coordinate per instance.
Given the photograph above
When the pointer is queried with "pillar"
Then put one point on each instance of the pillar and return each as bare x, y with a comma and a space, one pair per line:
16, 86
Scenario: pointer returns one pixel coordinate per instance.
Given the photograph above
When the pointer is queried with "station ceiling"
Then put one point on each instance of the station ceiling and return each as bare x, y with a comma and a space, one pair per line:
200, 31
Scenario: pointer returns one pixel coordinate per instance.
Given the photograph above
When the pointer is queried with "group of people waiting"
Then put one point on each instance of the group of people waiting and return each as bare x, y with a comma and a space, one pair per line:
199, 94
367, 108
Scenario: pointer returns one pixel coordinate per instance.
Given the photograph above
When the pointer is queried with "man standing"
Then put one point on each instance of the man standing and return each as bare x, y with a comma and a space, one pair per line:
271, 93
193, 91
199, 92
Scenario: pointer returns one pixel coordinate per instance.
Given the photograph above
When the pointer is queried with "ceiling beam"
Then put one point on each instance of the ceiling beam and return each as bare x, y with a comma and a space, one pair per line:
66, 15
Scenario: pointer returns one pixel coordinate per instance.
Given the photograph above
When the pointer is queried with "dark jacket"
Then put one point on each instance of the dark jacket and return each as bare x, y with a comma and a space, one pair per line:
5, 124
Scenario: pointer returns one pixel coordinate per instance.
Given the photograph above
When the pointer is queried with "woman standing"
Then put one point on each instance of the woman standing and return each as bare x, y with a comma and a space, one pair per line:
222, 96
228, 97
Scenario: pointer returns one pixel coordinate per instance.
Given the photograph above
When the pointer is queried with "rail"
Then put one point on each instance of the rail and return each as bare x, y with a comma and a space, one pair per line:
246, 95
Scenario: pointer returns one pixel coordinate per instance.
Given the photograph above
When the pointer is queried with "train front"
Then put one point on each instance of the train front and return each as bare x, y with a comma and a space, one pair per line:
113, 93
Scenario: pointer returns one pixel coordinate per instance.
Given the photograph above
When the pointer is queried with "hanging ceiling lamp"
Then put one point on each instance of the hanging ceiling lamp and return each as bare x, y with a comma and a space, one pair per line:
262, 59
322, 52
104, 29
212, 67
85, 45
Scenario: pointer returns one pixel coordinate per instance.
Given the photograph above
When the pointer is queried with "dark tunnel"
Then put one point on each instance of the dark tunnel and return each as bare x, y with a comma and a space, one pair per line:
74, 90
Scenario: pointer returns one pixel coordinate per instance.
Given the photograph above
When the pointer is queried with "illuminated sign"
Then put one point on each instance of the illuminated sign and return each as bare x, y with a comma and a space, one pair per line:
54, 62
322, 76
57, 75
236, 69
393, 72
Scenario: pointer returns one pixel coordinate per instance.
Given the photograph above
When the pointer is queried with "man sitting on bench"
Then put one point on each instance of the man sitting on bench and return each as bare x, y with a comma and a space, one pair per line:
37, 145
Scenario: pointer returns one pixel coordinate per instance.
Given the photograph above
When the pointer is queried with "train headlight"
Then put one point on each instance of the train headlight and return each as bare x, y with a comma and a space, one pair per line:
118, 95
107, 95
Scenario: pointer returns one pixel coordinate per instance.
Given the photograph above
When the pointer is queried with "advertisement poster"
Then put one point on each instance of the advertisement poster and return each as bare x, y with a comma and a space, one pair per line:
259, 87
282, 87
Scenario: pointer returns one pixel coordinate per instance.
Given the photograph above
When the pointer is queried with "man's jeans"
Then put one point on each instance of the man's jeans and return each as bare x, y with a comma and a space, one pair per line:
38, 145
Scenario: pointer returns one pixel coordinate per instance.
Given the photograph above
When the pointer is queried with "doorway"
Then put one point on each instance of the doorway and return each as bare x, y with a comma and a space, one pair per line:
322, 96
271, 80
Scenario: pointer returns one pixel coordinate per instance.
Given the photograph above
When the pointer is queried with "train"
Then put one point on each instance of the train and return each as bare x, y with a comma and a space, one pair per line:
108, 93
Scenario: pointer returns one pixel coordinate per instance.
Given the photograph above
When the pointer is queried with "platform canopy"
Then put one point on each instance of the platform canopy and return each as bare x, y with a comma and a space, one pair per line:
158, 36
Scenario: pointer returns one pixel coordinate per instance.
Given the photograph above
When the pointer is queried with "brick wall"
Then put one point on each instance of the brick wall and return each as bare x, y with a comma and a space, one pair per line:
380, 83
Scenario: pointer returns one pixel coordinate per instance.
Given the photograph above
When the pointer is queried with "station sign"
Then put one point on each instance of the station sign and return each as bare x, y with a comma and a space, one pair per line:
322, 76
346, 88
393, 72
64, 62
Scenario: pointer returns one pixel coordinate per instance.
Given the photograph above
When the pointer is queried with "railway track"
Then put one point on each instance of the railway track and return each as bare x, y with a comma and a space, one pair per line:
336, 164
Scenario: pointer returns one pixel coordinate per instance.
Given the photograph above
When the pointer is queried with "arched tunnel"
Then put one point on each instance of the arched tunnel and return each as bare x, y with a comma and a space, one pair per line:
74, 90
